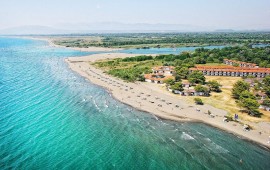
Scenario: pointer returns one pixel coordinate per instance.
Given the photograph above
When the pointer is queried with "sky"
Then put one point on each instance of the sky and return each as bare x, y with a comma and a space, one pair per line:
210, 14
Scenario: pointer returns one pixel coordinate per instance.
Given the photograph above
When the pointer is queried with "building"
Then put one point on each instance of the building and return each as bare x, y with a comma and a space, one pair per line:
232, 71
166, 70
260, 95
186, 84
253, 81
239, 63
193, 92
156, 78
267, 108
160, 74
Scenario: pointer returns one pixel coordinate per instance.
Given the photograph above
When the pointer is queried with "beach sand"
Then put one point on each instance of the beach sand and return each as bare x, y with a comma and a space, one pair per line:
51, 40
152, 99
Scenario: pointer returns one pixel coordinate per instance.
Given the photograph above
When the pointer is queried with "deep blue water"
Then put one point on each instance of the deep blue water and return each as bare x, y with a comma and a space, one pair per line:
51, 118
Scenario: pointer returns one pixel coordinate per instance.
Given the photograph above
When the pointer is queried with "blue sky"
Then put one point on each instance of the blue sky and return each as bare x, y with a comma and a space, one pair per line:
214, 14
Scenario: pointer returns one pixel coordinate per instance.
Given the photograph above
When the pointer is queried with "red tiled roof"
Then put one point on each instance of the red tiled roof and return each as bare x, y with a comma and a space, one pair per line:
154, 78
231, 69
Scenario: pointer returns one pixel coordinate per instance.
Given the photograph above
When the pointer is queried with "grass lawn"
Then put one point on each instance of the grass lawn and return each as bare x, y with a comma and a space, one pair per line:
224, 100
128, 71
106, 65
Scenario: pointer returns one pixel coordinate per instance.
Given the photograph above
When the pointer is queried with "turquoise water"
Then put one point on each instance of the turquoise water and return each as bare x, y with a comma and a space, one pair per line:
166, 50
51, 118
260, 45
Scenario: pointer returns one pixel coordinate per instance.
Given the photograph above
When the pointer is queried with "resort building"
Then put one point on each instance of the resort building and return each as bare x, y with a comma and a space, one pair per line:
193, 92
166, 70
266, 108
160, 74
239, 63
186, 84
252, 81
156, 78
260, 95
231, 71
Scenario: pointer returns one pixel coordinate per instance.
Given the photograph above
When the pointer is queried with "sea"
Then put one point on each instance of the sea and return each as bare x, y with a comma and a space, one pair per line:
52, 118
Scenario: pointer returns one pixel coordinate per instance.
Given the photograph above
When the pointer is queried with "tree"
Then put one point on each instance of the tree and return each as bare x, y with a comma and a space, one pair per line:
250, 105
214, 86
246, 94
266, 102
182, 72
169, 82
198, 101
141, 78
248, 101
196, 77
177, 78
238, 88
178, 63
199, 60
200, 88
177, 86
266, 85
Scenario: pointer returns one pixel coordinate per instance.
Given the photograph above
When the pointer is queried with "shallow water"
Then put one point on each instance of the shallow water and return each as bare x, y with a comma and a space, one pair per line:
177, 50
51, 118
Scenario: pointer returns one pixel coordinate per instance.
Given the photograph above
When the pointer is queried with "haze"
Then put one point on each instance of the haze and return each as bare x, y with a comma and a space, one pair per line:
178, 14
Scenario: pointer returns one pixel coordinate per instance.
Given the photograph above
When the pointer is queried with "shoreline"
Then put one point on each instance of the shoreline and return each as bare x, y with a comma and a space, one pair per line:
128, 93
52, 44
258, 136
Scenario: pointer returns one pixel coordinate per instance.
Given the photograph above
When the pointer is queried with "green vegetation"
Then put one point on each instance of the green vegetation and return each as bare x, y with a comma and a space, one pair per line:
214, 86
130, 69
248, 101
196, 77
239, 87
177, 86
198, 101
200, 88
130, 74
266, 102
259, 56
182, 72
138, 58
245, 98
169, 82
185, 60
157, 40
266, 86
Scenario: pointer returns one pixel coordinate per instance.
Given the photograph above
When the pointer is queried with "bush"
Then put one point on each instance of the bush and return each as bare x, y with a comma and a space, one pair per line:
198, 101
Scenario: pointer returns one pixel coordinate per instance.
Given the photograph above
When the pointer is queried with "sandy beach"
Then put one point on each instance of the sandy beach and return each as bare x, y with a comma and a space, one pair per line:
51, 40
146, 97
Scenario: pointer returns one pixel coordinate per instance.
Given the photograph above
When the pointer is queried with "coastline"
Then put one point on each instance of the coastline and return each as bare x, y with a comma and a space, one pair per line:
144, 98
51, 43
81, 65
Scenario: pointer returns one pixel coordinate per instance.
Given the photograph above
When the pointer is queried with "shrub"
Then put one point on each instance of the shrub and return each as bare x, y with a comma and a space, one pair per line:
198, 101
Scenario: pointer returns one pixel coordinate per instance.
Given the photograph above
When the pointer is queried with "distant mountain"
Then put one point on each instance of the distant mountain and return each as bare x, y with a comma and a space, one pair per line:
225, 30
137, 27
109, 27
101, 27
